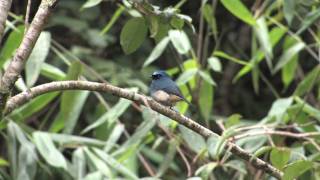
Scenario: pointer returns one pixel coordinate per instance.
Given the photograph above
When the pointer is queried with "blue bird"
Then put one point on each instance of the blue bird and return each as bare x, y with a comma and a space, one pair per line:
164, 90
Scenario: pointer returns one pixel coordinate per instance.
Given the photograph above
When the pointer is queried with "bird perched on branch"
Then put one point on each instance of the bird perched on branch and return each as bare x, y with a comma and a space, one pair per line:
164, 90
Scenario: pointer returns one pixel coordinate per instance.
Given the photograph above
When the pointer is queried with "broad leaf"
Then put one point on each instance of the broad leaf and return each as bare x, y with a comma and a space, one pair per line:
133, 34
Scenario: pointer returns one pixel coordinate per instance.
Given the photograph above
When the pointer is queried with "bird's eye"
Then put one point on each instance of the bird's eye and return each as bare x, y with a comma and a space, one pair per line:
156, 76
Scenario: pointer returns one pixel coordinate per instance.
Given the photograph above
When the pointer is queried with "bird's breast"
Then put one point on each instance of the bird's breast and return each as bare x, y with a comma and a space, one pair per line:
165, 98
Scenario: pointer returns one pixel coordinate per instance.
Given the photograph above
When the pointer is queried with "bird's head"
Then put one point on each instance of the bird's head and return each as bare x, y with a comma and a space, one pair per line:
159, 75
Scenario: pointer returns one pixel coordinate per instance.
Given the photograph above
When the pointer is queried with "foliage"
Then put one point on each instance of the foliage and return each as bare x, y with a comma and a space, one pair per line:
249, 68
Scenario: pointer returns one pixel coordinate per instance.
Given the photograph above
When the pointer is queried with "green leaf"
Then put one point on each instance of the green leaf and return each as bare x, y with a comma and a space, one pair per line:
206, 170
275, 36
65, 139
261, 151
11, 44
295, 169
186, 76
215, 64
309, 19
279, 157
206, 76
232, 120
3, 162
168, 158
99, 164
133, 34
195, 141
289, 10
308, 82
33, 106
206, 100
37, 57
279, 107
176, 22
209, 16
143, 129
113, 19
78, 163
48, 150
115, 164
157, 51
52, 72
180, 41
263, 36
91, 3
237, 165
228, 57
237, 8
71, 103
114, 113
288, 55
288, 70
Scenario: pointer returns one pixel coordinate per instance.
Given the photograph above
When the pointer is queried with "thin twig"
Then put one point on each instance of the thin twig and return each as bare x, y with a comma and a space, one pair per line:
274, 132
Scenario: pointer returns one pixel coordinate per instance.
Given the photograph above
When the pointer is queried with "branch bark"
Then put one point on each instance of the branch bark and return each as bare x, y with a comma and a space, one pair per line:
4, 10
23, 52
26, 96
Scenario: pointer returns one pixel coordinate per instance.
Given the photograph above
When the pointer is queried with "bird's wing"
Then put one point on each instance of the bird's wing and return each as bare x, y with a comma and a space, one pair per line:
172, 88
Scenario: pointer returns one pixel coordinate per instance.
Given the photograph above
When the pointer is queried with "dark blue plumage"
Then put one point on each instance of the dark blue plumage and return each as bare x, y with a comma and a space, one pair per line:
164, 90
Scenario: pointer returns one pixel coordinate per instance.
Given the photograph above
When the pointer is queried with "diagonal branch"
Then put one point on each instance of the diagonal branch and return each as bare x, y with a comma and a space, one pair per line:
26, 96
4, 10
23, 52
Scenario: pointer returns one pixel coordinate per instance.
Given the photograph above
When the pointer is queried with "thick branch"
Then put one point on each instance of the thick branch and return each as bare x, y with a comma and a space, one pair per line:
23, 52
26, 96
4, 9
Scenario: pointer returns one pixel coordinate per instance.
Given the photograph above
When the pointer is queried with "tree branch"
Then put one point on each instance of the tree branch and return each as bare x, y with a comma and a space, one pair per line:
26, 96
23, 52
4, 10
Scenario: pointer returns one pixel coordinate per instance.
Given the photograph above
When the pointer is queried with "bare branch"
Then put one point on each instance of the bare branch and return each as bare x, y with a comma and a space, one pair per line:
23, 52
26, 96
4, 9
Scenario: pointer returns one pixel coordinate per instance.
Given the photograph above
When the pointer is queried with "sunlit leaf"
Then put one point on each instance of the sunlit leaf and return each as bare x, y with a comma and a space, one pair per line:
180, 41
37, 57
215, 64
288, 55
157, 51
186, 76
91, 3
111, 115
48, 150
279, 107
206, 76
237, 8
263, 36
